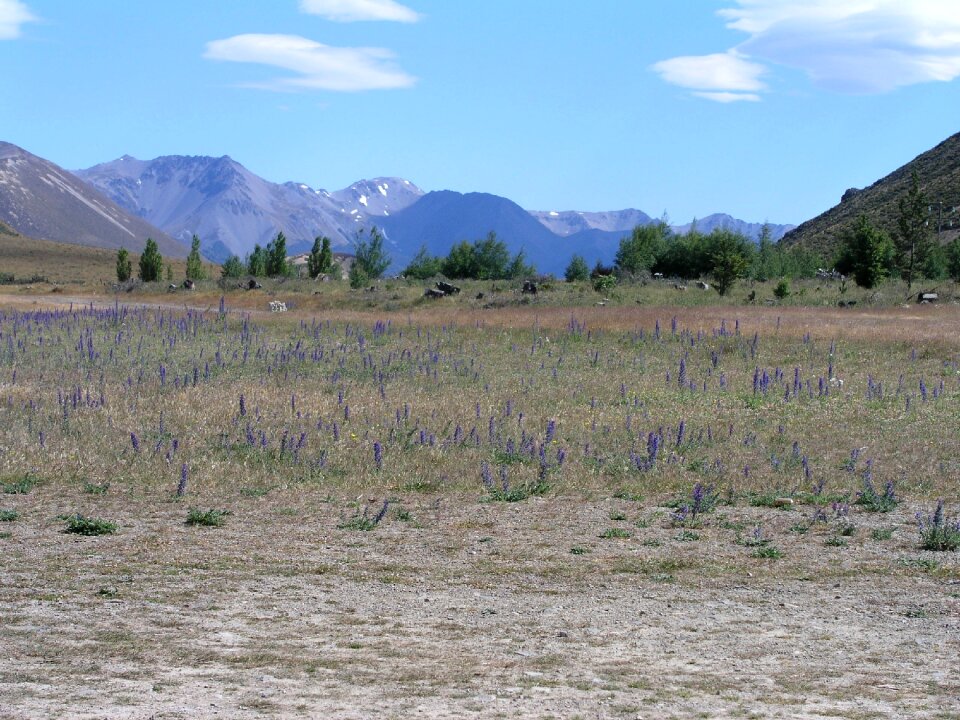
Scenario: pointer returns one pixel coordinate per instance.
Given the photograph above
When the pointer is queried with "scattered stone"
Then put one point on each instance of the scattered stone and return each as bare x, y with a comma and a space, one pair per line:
447, 289
783, 502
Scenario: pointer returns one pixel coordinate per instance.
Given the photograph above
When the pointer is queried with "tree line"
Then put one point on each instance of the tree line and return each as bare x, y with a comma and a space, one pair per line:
150, 266
867, 253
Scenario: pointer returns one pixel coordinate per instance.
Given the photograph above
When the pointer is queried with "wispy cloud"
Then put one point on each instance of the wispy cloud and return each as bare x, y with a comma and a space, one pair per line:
13, 14
846, 46
716, 77
357, 10
728, 97
316, 66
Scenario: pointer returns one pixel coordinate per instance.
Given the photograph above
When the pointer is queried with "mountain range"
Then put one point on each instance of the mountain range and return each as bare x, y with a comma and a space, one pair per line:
171, 198
231, 209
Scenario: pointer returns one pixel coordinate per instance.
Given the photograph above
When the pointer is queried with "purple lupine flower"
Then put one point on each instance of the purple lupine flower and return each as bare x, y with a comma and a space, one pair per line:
243, 406
551, 431
346, 412
561, 456
42, 440
378, 455
681, 432
182, 485
682, 373
135, 442
382, 512
485, 476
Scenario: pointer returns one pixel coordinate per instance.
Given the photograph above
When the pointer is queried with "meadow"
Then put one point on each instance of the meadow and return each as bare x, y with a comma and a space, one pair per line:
536, 507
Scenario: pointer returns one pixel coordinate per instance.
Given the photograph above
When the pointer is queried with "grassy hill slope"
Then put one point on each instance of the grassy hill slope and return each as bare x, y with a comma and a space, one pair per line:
939, 173
29, 259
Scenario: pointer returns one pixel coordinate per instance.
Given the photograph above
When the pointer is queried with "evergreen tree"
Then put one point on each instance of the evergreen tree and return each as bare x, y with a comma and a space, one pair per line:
867, 253
151, 262
232, 268
276, 256
519, 268
195, 269
320, 261
358, 276
577, 269
492, 258
766, 254
953, 259
461, 262
423, 265
638, 253
371, 258
913, 236
729, 255
124, 265
257, 262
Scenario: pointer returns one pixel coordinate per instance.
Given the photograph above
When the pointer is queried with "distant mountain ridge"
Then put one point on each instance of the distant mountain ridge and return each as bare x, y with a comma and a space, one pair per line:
231, 209
938, 170
42, 200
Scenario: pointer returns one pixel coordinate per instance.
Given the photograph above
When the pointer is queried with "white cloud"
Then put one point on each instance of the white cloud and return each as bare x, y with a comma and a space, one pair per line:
721, 71
355, 10
847, 46
317, 66
728, 97
13, 14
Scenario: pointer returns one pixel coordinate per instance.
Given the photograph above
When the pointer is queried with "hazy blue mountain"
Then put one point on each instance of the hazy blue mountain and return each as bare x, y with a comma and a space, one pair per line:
231, 209
42, 200
440, 219
726, 222
570, 222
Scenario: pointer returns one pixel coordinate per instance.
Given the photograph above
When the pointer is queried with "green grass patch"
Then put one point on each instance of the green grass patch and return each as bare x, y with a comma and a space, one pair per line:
206, 518
82, 525
612, 533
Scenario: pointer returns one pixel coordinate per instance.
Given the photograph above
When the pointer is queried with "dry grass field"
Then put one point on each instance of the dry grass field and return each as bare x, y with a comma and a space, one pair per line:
535, 509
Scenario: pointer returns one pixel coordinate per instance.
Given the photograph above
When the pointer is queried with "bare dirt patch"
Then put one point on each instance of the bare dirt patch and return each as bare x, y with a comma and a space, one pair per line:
469, 609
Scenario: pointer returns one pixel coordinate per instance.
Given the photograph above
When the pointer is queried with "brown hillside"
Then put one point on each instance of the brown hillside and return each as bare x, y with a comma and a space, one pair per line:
939, 173
41, 199
27, 258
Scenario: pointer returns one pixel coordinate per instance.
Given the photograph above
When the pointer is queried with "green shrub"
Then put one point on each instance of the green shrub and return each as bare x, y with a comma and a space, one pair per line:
768, 552
20, 486
80, 525
206, 518
615, 533
8, 515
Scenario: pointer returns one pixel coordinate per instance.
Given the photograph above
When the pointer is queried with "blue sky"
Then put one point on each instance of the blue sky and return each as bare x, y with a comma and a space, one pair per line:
765, 109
